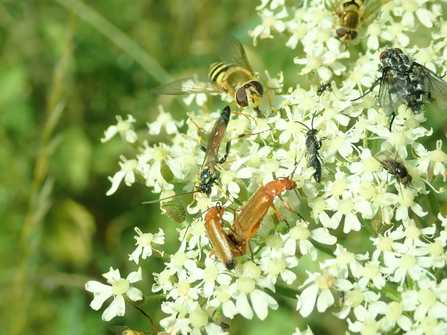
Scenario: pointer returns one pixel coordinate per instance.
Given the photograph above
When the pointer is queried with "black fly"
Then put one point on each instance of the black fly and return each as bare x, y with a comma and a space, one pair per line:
313, 144
405, 81
393, 163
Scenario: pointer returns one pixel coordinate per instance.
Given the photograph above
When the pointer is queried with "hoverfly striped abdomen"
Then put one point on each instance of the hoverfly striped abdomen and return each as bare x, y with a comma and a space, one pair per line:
349, 19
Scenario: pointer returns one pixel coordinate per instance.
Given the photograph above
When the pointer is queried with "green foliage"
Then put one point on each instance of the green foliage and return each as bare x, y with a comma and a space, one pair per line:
66, 70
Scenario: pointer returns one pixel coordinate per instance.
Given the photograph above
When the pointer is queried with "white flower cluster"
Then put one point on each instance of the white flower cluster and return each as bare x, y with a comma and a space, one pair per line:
397, 281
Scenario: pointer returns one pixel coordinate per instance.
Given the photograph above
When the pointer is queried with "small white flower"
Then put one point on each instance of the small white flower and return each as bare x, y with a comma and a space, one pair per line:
318, 293
270, 21
127, 173
144, 242
300, 236
124, 128
118, 288
355, 296
164, 120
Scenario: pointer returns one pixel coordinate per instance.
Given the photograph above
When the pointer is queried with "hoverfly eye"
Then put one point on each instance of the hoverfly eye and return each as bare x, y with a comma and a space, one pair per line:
353, 35
258, 87
397, 49
241, 97
383, 54
342, 32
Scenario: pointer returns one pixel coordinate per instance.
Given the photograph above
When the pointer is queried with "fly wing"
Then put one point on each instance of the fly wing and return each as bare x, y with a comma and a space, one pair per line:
431, 83
232, 51
391, 152
392, 89
191, 85
388, 156
385, 159
371, 7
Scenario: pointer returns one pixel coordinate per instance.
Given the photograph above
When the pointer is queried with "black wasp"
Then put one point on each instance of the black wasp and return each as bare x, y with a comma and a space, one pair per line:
393, 163
405, 81
313, 144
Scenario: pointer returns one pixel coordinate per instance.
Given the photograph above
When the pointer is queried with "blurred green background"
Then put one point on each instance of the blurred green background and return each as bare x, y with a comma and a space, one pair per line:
66, 70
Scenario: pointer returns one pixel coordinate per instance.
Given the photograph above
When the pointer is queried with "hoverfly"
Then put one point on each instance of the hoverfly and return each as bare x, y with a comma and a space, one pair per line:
233, 76
351, 13
404, 81
313, 145
390, 159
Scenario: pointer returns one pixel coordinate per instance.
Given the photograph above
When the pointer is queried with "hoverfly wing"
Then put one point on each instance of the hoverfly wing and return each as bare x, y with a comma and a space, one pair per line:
390, 93
391, 152
385, 158
431, 83
191, 85
389, 158
371, 7
231, 50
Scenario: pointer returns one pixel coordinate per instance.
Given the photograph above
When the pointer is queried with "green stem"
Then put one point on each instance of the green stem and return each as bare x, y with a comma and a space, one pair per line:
328, 250
119, 38
367, 226
392, 293
433, 203
40, 191
155, 297
286, 291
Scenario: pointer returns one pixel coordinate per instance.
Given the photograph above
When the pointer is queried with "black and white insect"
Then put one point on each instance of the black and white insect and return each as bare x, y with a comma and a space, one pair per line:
391, 161
405, 81
323, 87
313, 145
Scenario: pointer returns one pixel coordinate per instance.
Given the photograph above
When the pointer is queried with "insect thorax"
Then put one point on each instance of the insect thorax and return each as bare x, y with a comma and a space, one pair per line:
397, 61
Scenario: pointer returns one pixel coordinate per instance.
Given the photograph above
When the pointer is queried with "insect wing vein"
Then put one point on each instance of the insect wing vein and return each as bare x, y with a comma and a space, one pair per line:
191, 85
370, 7
231, 50
390, 93
432, 83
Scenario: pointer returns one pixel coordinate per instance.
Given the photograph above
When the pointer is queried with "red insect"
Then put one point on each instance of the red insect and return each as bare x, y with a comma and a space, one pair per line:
223, 246
249, 219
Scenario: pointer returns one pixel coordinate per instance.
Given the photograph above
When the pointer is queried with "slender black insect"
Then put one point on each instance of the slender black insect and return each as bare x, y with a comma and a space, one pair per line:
209, 174
324, 87
393, 163
313, 145
405, 81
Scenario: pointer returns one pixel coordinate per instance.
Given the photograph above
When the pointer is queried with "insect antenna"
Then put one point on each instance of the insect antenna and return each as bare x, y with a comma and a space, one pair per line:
148, 317
171, 197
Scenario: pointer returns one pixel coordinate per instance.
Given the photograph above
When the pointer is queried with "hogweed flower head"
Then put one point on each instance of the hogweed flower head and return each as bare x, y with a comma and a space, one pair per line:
390, 280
